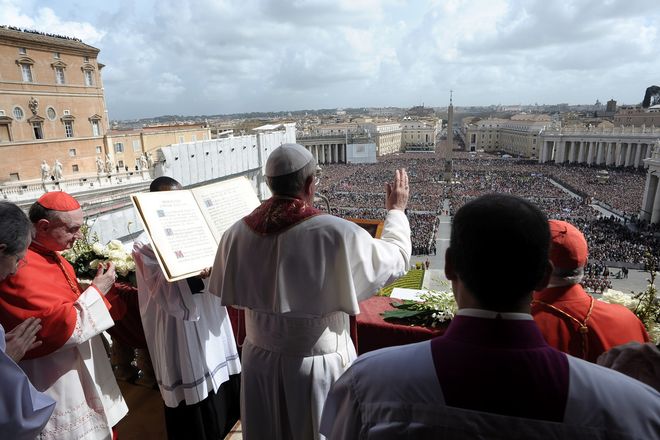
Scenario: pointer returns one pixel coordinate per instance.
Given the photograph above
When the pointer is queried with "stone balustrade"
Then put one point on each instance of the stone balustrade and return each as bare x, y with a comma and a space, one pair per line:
24, 191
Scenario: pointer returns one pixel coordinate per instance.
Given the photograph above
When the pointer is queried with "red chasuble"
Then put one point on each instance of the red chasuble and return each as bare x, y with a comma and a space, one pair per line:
45, 288
561, 312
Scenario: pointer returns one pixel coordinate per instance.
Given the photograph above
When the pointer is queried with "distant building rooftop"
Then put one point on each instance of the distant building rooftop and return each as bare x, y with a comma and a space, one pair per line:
268, 127
18, 36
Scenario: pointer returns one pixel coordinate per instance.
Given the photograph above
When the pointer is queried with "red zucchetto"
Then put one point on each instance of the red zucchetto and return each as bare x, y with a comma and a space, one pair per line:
568, 249
58, 201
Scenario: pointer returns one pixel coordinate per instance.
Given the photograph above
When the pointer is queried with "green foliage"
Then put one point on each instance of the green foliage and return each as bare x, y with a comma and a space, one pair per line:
435, 309
648, 305
411, 280
82, 253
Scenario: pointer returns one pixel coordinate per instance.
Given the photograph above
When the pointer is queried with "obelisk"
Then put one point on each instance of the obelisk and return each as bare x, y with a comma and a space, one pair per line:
448, 149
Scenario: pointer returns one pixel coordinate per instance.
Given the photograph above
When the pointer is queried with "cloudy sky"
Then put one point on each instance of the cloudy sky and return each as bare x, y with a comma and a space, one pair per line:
225, 56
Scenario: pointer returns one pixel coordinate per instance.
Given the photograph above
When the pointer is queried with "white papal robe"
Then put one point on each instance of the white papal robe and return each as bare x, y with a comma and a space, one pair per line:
299, 286
78, 376
190, 338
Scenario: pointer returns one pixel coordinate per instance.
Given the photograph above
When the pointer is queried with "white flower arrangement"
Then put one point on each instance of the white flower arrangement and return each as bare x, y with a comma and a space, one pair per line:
87, 253
616, 297
635, 303
435, 309
115, 253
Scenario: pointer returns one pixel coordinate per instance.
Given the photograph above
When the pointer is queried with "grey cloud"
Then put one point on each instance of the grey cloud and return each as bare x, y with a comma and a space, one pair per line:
540, 24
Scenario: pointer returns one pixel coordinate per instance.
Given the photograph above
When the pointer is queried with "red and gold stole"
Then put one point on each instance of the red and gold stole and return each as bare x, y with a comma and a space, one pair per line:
278, 214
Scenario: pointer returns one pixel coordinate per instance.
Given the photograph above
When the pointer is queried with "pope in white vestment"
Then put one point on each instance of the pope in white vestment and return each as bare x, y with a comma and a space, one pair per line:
299, 274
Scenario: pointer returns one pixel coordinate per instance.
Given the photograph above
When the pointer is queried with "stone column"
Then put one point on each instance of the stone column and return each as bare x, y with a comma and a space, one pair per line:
541, 152
617, 154
590, 153
650, 189
648, 154
638, 155
565, 148
560, 152
608, 153
655, 211
581, 152
600, 147
335, 155
629, 155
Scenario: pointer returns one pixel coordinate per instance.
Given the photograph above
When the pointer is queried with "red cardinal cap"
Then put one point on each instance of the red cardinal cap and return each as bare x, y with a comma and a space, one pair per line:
568, 249
58, 201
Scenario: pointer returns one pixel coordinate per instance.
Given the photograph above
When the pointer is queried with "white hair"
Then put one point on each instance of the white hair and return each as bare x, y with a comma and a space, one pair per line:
564, 277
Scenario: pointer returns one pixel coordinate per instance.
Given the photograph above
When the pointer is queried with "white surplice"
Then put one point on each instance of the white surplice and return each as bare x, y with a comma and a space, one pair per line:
189, 336
299, 288
78, 376
24, 411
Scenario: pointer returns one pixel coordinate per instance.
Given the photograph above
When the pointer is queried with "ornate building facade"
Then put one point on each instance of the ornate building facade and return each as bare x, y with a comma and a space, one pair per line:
638, 117
387, 136
603, 145
53, 117
517, 136
127, 147
52, 106
419, 134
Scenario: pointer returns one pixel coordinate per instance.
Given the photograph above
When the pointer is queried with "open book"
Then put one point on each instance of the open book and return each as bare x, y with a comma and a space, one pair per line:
185, 227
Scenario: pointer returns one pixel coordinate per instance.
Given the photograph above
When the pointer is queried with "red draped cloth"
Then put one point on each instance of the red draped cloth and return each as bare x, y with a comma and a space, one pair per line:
128, 329
373, 332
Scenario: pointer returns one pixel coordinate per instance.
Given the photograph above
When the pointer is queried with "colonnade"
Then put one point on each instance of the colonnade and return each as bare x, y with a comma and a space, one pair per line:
328, 153
597, 152
651, 202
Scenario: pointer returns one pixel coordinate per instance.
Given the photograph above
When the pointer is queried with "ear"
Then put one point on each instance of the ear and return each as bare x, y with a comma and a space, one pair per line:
41, 226
2, 248
546, 277
450, 272
308, 188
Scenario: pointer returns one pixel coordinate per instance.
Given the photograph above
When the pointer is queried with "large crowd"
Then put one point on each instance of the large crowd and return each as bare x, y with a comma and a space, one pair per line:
615, 235
358, 191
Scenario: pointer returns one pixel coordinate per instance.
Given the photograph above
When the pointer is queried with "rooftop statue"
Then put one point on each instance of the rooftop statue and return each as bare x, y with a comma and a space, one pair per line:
45, 170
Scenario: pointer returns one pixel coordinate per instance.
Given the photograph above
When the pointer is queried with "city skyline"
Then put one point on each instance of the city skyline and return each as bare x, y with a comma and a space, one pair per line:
198, 57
